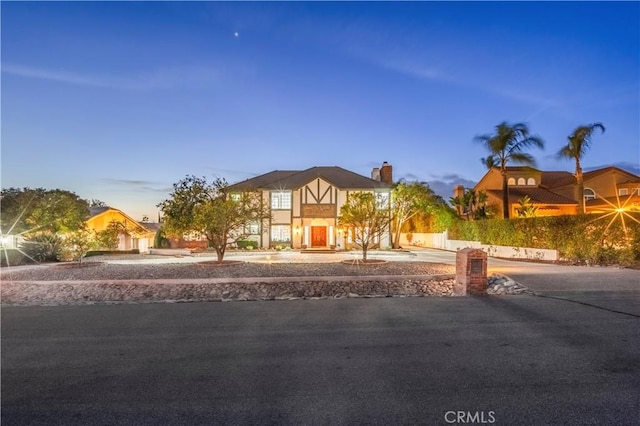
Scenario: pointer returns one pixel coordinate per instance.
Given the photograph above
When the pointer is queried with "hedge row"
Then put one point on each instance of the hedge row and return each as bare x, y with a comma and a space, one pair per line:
600, 239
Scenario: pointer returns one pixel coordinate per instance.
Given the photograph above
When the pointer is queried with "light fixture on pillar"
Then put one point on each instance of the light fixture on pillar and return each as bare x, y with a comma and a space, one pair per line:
297, 230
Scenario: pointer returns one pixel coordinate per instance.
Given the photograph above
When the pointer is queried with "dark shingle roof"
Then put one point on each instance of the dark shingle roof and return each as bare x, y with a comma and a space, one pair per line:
95, 211
537, 195
289, 180
557, 179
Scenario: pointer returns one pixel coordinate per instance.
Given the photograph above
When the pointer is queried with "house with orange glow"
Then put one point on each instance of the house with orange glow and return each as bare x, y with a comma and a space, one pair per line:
133, 235
605, 189
305, 205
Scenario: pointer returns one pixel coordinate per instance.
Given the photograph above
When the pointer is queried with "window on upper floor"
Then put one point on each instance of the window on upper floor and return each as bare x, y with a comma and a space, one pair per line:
382, 198
531, 182
511, 181
589, 194
521, 181
623, 191
281, 200
235, 196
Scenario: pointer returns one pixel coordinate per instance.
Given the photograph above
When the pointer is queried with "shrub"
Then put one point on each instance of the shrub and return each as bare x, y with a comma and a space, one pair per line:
590, 238
44, 247
160, 240
13, 257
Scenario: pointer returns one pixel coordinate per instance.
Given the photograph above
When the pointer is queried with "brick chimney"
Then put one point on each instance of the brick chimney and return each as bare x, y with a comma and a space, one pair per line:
386, 173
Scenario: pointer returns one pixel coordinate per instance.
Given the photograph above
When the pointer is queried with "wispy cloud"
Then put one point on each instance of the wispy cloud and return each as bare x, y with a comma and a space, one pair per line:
138, 185
129, 181
163, 78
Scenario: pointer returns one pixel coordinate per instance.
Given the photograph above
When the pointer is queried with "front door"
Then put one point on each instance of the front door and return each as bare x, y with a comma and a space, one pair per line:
318, 236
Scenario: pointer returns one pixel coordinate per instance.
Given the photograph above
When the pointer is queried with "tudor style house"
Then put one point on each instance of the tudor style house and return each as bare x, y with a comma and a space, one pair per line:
133, 234
305, 205
605, 189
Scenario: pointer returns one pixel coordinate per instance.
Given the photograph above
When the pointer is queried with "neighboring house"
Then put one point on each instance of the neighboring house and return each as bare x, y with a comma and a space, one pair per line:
305, 205
552, 192
133, 235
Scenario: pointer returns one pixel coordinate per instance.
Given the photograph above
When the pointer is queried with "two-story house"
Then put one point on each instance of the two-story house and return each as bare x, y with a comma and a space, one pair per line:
552, 192
305, 205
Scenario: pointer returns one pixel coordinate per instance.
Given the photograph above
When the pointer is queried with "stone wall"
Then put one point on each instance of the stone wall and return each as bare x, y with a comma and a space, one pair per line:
140, 291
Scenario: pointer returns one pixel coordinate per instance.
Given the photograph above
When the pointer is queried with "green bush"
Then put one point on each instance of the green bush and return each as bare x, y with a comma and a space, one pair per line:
245, 244
160, 240
44, 247
13, 257
591, 238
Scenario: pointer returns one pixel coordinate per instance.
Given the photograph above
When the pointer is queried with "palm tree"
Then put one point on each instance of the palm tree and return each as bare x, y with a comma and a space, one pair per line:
575, 149
506, 145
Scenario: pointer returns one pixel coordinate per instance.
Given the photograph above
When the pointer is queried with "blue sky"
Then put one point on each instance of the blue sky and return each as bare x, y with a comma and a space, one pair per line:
117, 101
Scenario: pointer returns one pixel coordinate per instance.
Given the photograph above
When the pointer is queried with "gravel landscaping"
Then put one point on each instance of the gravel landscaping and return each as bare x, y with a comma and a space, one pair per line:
108, 271
104, 282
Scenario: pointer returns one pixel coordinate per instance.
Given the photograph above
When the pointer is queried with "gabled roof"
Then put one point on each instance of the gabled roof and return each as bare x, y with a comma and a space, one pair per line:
97, 211
290, 180
536, 194
593, 173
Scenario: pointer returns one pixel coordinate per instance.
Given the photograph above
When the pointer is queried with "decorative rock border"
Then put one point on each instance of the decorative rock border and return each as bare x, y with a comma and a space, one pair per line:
501, 285
141, 291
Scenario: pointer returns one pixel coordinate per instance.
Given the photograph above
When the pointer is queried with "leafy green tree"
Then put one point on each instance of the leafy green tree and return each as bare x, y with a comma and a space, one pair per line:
97, 203
409, 200
79, 242
506, 145
107, 239
368, 218
526, 209
26, 210
472, 205
576, 148
201, 207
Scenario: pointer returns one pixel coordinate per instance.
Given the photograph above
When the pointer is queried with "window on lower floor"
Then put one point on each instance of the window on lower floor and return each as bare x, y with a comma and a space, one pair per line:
281, 233
252, 229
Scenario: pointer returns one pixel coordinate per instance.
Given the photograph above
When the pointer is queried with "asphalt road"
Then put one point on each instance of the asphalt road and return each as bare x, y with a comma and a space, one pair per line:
501, 360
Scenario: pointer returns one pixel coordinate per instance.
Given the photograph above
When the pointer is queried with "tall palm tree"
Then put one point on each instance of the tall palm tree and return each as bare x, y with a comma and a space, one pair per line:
575, 148
506, 145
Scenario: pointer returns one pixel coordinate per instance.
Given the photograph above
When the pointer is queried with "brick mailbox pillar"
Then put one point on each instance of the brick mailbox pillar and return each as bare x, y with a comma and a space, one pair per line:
471, 272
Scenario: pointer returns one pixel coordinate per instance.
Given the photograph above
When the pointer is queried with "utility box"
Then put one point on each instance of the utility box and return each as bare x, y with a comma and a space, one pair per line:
471, 272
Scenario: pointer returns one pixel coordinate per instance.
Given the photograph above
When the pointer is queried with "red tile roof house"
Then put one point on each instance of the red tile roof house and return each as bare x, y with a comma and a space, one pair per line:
305, 205
605, 189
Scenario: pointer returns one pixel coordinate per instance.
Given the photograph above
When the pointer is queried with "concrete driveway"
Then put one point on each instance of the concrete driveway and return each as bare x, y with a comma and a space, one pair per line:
613, 288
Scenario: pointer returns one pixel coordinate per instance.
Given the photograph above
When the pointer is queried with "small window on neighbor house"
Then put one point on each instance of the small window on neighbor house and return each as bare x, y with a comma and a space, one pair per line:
382, 199
589, 194
531, 182
235, 196
623, 191
521, 181
511, 181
